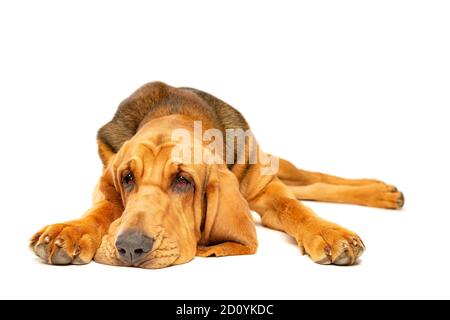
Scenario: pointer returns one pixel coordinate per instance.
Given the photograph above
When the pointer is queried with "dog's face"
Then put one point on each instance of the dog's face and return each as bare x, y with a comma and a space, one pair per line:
170, 207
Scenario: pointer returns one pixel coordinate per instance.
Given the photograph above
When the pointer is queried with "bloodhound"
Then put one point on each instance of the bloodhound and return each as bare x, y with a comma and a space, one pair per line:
152, 209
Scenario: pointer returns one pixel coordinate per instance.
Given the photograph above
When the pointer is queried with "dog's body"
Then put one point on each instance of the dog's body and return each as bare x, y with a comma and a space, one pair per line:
152, 211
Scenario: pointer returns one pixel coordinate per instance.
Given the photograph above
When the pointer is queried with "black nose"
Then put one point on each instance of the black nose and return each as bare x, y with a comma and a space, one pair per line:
133, 245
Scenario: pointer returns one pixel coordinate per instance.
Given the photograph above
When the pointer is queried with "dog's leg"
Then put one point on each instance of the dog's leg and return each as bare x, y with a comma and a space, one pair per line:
373, 195
291, 175
75, 242
323, 241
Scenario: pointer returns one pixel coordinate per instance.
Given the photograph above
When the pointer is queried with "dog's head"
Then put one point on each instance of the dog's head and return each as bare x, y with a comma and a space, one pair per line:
170, 206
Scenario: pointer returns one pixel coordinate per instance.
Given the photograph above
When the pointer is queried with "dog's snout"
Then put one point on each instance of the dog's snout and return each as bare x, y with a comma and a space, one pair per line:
133, 245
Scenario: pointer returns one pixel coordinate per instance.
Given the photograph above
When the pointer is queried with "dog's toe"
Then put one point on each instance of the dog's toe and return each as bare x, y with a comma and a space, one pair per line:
41, 251
60, 257
400, 200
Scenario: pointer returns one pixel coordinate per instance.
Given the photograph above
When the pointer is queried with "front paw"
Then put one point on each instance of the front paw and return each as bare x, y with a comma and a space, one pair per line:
328, 243
66, 243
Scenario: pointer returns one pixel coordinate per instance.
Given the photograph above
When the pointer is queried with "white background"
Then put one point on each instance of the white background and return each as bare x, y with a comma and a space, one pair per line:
353, 88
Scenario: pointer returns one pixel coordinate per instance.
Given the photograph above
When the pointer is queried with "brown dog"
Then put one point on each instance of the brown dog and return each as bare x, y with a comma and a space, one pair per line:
152, 209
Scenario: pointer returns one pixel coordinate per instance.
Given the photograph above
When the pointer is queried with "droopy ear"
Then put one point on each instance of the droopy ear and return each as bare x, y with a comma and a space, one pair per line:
105, 152
228, 228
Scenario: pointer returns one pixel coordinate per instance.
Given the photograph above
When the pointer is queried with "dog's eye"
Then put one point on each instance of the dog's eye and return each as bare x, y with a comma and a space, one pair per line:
128, 181
181, 183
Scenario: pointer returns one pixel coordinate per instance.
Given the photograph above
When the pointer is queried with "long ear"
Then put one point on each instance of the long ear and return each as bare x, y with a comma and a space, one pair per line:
105, 152
229, 228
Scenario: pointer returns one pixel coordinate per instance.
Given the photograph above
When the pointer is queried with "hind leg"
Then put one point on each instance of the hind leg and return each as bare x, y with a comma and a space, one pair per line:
373, 195
289, 174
